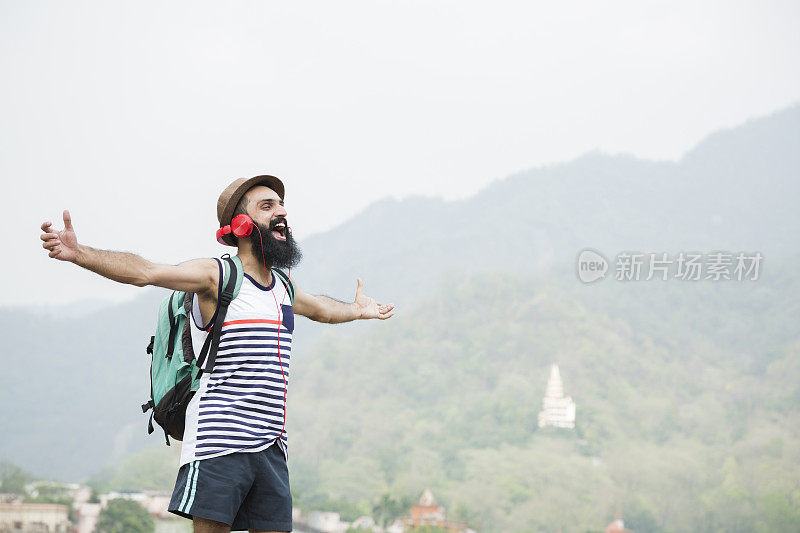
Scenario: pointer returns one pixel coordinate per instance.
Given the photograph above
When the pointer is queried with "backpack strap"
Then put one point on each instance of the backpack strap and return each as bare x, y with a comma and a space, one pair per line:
173, 326
287, 282
232, 283
238, 273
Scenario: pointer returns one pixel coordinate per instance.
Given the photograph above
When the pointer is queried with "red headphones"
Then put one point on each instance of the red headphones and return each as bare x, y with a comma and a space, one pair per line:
240, 226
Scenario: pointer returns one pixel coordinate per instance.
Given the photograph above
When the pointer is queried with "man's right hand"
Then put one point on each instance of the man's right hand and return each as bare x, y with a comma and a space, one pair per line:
200, 276
63, 245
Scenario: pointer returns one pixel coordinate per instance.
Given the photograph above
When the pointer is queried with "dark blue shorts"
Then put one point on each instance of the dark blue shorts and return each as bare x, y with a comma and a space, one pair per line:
244, 490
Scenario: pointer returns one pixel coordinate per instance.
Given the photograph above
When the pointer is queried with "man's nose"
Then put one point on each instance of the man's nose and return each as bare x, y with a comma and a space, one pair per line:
280, 211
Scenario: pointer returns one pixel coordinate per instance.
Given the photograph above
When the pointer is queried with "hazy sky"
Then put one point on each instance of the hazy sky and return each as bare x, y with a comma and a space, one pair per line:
135, 115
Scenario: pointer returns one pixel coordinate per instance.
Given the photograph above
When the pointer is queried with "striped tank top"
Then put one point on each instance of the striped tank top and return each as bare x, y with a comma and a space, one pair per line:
240, 406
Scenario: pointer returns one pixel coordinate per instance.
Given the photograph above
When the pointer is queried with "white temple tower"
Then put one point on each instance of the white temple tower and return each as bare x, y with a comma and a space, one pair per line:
556, 410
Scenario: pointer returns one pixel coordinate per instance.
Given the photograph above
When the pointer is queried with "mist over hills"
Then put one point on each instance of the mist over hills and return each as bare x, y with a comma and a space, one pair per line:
71, 386
446, 393
737, 190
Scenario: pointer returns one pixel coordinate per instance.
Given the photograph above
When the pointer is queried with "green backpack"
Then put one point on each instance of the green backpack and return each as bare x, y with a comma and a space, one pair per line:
175, 372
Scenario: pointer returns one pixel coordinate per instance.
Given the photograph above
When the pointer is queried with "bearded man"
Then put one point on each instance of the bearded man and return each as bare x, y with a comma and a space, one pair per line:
233, 472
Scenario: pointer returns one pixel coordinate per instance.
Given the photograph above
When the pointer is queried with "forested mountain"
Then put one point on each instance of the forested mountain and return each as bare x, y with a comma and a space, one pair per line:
687, 392
688, 400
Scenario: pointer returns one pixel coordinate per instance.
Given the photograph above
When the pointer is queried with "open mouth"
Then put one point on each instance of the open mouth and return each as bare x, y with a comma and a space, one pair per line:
279, 231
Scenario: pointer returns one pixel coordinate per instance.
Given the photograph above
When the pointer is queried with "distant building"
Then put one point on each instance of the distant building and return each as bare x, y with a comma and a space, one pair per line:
49, 517
80, 494
157, 504
86, 516
396, 527
364, 522
326, 521
429, 513
18, 517
135, 496
557, 410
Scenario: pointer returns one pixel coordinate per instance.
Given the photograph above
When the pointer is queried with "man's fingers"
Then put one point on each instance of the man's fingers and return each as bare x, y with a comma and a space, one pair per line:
67, 220
359, 287
49, 245
46, 226
54, 253
384, 317
48, 236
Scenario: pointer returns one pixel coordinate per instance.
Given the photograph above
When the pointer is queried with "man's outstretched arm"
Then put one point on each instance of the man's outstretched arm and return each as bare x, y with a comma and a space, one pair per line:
198, 275
329, 310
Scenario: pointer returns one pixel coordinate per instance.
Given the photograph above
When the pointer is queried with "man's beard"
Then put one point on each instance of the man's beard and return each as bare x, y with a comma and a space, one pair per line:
279, 254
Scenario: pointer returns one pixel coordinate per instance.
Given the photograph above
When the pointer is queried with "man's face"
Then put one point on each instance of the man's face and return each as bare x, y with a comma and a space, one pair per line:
271, 241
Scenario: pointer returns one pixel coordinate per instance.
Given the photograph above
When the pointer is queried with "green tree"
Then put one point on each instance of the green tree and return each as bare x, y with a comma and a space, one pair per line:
778, 514
125, 516
387, 509
49, 492
13, 479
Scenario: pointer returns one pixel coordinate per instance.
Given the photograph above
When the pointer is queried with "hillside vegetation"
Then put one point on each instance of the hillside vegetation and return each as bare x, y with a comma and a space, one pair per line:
687, 393
687, 405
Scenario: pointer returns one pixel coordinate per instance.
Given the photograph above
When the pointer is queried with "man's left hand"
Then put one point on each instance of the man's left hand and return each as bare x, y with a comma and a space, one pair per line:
368, 308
